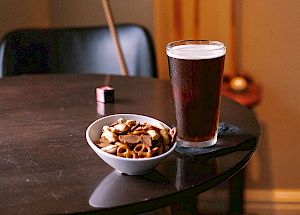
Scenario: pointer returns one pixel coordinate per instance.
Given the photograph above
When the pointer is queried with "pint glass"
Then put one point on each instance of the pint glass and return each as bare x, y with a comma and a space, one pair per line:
196, 73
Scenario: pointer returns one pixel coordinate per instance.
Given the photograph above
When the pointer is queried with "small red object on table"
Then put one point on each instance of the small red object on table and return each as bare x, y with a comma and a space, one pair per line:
105, 94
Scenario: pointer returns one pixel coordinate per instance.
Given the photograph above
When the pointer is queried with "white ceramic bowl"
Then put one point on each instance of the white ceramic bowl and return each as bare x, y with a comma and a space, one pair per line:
129, 166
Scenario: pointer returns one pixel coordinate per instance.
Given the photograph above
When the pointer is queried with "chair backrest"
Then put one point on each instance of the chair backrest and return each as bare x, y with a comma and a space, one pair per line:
77, 50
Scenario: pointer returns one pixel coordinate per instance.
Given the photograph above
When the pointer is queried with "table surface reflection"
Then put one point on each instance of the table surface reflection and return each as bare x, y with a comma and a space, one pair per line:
47, 166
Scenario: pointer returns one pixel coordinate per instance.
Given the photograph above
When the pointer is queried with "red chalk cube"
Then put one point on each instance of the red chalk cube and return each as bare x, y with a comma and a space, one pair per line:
105, 94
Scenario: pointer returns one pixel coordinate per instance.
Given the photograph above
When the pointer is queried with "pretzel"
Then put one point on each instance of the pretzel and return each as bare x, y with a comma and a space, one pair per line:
142, 151
132, 154
155, 151
125, 152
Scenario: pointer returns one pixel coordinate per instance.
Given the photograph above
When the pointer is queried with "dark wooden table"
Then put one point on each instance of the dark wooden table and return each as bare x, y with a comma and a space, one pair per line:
46, 166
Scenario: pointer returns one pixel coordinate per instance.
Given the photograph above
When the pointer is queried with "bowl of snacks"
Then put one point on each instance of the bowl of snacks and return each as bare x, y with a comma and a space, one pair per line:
130, 143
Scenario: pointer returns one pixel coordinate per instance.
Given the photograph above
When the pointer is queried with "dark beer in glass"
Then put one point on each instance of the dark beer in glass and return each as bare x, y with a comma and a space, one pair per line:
196, 73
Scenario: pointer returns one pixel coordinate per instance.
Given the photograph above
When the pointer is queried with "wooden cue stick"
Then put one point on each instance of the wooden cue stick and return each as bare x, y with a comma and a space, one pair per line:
234, 41
112, 29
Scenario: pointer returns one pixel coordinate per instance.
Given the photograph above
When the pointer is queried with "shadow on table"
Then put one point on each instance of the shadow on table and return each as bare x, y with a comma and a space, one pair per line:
118, 189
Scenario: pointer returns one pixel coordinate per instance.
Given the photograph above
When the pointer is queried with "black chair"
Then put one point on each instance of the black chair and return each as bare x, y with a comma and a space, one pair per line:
77, 50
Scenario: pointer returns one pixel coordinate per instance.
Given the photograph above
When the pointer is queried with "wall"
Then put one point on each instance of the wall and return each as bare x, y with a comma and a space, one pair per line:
270, 53
21, 14
90, 12
60, 13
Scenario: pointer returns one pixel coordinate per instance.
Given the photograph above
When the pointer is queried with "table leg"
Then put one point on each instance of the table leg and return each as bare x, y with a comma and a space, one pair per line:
236, 188
186, 206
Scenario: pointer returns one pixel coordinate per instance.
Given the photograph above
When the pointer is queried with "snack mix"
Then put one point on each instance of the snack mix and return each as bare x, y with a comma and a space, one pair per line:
131, 139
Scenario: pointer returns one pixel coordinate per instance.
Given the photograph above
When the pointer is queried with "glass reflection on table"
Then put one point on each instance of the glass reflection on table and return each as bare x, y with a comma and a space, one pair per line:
193, 171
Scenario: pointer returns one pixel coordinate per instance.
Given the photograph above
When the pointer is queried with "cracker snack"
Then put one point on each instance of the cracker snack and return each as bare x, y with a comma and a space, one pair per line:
131, 139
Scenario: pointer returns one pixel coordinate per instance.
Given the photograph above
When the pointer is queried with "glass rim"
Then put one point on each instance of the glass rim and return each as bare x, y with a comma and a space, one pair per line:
219, 45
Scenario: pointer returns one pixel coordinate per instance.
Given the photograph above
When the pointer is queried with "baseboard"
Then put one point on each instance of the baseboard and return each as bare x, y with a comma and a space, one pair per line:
256, 201
277, 201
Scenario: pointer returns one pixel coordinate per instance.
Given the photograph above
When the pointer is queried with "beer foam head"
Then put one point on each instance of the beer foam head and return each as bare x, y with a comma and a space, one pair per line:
196, 51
